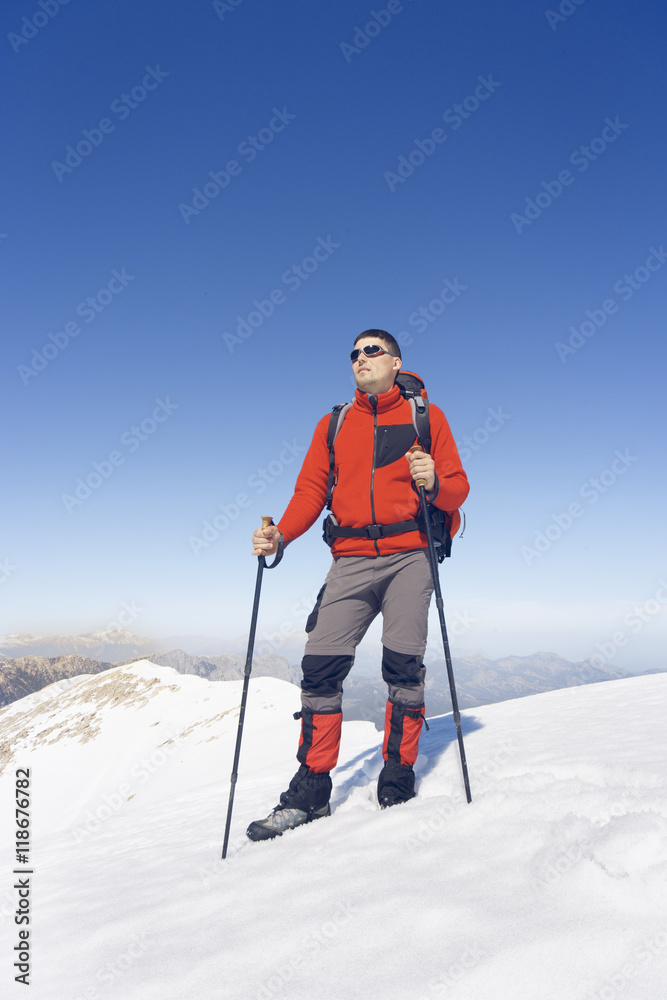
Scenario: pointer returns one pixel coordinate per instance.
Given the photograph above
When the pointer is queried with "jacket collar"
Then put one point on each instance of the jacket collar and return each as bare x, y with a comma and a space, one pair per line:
385, 400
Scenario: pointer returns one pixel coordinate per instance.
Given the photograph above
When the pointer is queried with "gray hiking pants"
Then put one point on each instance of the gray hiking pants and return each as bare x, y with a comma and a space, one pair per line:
356, 590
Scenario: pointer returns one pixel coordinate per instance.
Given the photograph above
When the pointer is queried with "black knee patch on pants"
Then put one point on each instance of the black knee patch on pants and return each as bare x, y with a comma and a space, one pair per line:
323, 676
307, 791
404, 674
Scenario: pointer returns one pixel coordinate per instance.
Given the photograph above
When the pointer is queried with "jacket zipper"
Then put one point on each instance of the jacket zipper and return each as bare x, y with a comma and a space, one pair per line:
374, 403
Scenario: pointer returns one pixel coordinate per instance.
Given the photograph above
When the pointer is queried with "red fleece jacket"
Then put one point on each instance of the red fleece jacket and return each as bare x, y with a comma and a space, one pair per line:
373, 482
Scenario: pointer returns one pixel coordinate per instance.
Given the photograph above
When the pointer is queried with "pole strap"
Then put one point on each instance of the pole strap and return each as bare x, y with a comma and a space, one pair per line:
277, 558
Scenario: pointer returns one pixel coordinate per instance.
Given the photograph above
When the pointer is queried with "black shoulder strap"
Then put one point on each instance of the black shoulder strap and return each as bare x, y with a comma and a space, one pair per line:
411, 386
335, 421
420, 418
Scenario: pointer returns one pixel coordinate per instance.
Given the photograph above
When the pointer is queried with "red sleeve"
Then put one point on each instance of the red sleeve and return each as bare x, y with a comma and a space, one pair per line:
453, 486
310, 492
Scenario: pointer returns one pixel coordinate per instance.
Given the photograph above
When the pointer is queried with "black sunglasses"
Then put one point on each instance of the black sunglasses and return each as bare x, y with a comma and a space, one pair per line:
371, 351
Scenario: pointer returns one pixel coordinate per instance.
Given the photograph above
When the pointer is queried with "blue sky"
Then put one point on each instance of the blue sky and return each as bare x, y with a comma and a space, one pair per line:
531, 144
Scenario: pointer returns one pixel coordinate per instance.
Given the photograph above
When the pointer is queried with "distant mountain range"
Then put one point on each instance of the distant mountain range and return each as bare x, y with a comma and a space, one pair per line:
29, 663
112, 645
479, 681
119, 645
23, 675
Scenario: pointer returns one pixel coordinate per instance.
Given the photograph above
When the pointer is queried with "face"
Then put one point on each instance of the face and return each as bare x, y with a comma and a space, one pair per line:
375, 375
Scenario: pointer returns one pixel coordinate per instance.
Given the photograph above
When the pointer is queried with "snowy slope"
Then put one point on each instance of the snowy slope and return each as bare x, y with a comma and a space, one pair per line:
551, 885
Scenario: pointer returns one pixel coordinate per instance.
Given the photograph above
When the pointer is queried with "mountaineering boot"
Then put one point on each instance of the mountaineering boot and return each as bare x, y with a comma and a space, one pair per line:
283, 818
306, 799
396, 783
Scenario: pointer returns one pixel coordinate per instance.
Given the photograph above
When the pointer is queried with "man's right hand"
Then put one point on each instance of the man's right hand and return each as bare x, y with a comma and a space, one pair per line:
265, 540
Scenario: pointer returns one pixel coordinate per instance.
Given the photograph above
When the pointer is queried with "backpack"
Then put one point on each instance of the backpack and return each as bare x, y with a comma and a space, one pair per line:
411, 388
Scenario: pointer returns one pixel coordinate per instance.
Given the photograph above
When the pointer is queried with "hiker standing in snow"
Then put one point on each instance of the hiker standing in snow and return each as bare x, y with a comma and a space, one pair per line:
380, 565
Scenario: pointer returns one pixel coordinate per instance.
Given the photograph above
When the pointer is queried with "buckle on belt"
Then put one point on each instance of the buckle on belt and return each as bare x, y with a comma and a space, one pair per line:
374, 530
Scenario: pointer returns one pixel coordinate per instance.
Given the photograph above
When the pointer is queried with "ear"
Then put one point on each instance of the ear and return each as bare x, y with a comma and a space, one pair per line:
398, 364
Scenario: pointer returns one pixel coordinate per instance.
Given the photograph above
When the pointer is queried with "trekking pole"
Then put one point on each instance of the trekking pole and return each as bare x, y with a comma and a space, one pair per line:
421, 485
261, 563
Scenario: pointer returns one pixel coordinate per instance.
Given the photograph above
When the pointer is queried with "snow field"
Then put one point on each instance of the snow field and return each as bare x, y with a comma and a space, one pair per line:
551, 885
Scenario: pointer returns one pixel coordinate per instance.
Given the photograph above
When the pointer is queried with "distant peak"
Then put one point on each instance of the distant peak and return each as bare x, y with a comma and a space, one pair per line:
111, 635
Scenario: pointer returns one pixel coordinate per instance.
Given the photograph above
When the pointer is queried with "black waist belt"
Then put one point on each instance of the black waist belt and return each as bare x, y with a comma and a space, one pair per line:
374, 530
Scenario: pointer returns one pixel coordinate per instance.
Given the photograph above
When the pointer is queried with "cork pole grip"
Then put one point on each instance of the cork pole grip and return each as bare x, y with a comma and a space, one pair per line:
419, 482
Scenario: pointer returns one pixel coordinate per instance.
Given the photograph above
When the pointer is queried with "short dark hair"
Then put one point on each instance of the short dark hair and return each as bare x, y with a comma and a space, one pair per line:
386, 338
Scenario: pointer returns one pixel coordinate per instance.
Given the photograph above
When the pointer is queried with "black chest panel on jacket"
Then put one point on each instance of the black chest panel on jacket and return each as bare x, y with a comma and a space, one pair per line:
392, 442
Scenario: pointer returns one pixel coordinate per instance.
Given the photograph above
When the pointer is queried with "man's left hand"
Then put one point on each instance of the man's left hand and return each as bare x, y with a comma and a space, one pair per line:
422, 467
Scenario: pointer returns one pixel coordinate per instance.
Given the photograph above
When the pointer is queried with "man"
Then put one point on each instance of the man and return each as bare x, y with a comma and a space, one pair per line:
374, 570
